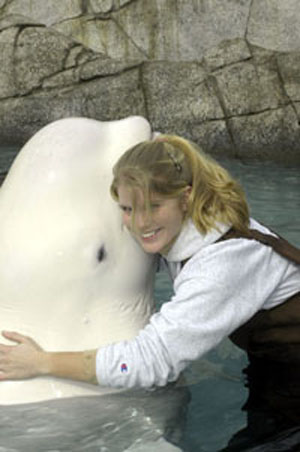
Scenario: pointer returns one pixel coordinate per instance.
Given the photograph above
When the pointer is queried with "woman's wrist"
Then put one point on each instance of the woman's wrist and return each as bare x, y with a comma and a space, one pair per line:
44, 363
80, 366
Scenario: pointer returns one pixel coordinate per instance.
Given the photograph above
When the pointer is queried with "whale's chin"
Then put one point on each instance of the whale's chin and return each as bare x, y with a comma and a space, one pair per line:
46, 388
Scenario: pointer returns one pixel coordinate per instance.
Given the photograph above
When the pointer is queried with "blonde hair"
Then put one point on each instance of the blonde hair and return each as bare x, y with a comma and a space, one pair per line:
170, 164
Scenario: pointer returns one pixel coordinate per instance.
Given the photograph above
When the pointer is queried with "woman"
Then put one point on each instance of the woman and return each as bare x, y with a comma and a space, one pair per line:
182, 206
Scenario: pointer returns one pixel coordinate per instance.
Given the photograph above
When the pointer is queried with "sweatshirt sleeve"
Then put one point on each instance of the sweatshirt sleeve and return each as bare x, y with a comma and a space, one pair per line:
215, 293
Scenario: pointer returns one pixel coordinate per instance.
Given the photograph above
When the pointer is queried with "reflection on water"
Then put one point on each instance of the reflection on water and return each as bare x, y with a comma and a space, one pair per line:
109, 423
133, 421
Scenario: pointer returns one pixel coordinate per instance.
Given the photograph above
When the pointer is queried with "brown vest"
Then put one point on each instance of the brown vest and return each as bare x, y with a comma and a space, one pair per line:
275, 333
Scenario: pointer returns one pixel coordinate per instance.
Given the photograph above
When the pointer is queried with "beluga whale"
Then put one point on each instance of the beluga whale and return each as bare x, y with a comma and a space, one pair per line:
70, 275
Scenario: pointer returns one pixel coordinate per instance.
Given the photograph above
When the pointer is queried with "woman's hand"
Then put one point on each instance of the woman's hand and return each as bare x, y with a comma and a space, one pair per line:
25, 359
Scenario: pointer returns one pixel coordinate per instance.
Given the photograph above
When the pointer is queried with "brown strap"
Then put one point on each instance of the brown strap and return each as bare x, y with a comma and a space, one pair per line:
279, 244
275, 332
279, 325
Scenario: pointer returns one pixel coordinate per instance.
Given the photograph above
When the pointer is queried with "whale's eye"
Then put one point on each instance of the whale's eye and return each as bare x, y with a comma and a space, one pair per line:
101, 254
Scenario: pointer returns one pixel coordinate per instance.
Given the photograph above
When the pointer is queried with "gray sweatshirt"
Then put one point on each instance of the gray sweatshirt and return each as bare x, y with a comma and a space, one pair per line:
219, 288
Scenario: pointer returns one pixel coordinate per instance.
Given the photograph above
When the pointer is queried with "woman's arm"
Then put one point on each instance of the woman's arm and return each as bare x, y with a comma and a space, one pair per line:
27, 359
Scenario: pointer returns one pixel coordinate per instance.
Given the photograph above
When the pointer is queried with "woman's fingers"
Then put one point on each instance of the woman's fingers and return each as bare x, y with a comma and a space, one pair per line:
14, 336
20, 339
20, 360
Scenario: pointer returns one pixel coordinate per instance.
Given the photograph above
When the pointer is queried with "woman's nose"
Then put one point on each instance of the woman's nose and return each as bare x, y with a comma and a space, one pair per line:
142, 219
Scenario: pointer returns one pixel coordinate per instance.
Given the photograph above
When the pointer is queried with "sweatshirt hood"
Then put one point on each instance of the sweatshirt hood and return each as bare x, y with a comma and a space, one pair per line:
190, 240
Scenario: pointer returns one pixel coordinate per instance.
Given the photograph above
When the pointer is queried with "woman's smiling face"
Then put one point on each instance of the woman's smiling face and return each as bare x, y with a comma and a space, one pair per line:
156, 230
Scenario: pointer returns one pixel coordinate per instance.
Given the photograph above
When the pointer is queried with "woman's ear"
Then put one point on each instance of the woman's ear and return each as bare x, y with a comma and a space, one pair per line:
185, 197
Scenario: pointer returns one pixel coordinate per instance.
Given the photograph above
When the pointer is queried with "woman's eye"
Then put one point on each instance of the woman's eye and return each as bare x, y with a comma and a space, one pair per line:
126, 210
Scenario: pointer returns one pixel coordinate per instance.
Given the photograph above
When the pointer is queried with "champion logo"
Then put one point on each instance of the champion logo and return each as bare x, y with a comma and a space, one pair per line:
124, 368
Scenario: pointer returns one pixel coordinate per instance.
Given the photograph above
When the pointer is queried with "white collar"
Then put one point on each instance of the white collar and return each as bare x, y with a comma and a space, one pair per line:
190, 240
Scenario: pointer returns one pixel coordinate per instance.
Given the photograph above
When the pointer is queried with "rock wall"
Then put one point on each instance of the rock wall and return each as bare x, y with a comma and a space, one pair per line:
224, 73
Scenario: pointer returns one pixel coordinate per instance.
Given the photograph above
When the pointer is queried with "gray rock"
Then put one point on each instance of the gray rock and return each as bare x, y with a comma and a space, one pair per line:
50, 12
15, 20
274, 24
250, 87
39, 53
178, 96
106, 98
273, 135
103, 36
214, 137
297, 108
225, 74
228, 52
21, 117
113, 97
101, 6
7, 65
62, 79
106, 6
103, 67
79, 55
289, 65
160, 29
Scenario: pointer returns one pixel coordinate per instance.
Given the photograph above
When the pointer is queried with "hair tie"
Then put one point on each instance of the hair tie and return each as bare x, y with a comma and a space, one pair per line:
175, 161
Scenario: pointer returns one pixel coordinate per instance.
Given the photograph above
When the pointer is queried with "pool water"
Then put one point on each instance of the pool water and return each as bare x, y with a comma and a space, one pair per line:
206, 410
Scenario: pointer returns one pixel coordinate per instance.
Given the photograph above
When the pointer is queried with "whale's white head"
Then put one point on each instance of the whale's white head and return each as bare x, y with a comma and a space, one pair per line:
70, 275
